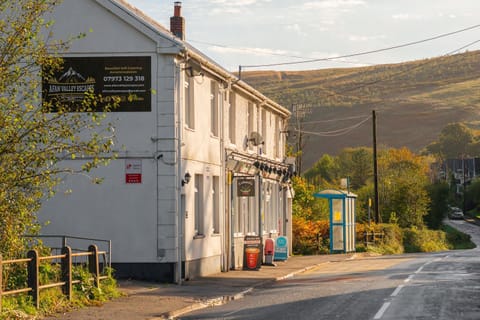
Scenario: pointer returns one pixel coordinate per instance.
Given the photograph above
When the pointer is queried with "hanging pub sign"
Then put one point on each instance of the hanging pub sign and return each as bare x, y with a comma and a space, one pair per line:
246, 187
128, 78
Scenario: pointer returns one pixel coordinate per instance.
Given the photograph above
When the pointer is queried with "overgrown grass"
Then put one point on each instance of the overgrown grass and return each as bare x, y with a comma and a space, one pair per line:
52, 300
424, 240
457, 240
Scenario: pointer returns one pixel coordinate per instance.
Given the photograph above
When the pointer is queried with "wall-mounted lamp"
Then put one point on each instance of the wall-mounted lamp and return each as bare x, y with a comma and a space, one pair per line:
193, 72
186, 179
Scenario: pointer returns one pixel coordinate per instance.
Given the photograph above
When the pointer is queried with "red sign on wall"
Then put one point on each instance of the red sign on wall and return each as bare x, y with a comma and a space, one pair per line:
133, 170
133, 178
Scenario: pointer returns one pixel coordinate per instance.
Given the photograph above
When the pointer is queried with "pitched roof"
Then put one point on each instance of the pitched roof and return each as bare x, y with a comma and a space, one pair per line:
195, 53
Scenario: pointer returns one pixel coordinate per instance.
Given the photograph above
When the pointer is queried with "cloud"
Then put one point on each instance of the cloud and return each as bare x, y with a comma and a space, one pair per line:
357, 38
220, 7
236, 3
332, 4
252, 51
296, 29
408, 16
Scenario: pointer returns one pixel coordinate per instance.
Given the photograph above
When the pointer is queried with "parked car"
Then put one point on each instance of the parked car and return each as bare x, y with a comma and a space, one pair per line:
455, 213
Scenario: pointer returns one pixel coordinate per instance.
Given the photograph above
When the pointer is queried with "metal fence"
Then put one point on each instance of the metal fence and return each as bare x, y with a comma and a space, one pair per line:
33, 262
373, 237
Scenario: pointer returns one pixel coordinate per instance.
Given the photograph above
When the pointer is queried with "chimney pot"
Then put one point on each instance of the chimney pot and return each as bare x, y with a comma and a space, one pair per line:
177, 12
177, 22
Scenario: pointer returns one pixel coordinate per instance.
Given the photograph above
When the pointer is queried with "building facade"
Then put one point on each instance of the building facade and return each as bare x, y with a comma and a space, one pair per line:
201, 154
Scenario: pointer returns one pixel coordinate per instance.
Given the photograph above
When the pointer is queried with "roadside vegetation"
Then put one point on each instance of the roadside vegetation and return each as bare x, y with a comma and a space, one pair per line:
413, 199
53, 300
35, 138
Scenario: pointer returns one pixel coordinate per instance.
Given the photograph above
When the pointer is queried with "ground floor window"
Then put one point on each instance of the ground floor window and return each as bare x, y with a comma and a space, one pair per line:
199, 205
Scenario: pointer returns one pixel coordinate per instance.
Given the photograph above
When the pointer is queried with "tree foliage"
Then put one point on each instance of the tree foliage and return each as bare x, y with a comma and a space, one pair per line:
403, 181
439, 195
33, 141
455, 141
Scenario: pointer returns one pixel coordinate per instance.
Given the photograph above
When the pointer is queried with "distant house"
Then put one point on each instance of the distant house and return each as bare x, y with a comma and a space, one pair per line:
201, 153
462, 171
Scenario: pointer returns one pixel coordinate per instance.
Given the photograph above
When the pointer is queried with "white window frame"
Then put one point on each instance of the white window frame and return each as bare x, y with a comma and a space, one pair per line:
199, 206
189, 102
214, 105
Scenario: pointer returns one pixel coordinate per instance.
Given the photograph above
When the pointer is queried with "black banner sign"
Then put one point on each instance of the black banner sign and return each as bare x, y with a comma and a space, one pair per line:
246, 187
128, 78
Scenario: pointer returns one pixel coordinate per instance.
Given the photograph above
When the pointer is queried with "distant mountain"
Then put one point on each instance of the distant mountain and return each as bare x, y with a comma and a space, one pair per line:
414, 101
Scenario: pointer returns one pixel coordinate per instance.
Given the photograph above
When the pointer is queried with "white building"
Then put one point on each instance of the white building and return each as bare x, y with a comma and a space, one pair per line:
170, 202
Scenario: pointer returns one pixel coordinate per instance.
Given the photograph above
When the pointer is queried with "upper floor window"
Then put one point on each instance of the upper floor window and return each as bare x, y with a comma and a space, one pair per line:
250, 120
278, 141
189, 113
214, 102
232, 118
264, 129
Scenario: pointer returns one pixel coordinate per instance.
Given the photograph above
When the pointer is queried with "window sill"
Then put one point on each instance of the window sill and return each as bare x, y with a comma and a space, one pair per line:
199, 236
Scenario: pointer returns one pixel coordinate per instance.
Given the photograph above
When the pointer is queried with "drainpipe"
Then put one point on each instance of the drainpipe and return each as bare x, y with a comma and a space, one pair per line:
221, 184
178, 213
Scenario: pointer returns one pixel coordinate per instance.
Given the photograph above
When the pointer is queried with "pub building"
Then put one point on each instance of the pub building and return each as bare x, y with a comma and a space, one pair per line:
201, 154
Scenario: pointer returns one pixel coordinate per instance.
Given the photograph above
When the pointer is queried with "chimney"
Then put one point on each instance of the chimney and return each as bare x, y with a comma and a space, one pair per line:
177, 22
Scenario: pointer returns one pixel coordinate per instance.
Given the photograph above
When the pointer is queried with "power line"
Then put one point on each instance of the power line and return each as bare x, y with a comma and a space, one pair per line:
464, 47
260, 51
335, 133
347, 130
333, 120
364, 52
399, 73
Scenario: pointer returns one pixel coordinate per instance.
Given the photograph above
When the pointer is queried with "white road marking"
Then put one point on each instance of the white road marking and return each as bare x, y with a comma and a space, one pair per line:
382, 310
394, 294
420, 269
410, 277
385, 306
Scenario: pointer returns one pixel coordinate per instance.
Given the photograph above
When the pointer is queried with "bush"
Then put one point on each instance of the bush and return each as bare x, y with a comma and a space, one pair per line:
424, 240
392, 239
310, 237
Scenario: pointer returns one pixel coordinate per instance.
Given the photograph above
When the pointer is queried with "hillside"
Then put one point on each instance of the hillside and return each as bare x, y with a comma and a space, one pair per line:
414, 101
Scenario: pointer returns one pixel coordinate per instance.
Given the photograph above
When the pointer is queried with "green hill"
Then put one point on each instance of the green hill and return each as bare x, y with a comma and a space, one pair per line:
414, 101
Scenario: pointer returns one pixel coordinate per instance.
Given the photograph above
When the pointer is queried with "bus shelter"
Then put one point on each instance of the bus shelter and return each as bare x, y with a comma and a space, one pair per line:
342, 219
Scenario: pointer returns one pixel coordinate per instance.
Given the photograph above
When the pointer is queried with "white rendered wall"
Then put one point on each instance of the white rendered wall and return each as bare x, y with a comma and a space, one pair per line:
138, 218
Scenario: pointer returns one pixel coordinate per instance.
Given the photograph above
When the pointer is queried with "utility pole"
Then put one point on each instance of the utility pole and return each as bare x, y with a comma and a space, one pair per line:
299, 139
375, 168
300, 111
464, 185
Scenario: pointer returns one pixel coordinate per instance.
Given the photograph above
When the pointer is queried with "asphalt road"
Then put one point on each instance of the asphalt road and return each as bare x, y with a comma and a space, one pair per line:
443, 285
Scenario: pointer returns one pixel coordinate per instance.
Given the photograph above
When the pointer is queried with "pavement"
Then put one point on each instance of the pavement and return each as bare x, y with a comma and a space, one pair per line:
150, 300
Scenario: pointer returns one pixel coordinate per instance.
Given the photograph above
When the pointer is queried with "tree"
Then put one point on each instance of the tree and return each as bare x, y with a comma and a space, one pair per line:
33, 141
357, 164
455, 141
325, 170
403, 181
438, 209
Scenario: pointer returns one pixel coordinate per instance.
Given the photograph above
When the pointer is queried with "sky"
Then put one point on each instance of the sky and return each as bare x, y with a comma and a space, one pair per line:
252, 33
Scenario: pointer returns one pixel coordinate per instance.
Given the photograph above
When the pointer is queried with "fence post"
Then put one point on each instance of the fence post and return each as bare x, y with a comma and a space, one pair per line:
67, 272
1, 282
32, 279
93, 265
